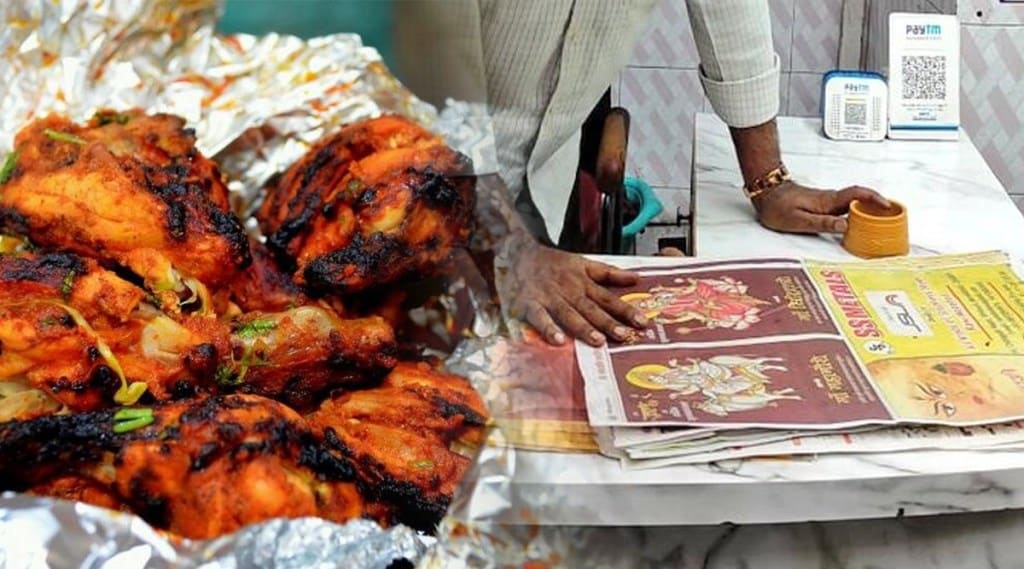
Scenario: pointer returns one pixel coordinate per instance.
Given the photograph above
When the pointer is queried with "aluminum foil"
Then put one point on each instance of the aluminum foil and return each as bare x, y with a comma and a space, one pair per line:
40, 532
256, 104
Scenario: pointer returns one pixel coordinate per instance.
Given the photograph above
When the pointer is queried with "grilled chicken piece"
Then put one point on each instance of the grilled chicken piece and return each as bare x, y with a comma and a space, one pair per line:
400, 436
298, 354
129, 190
263, 286
82, 335
199, 469
378, 201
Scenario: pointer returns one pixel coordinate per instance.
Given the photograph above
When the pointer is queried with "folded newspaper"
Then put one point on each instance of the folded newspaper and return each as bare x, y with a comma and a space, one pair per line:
765, 357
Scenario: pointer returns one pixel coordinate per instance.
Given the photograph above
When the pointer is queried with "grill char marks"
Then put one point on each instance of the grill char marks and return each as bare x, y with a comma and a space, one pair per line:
207, 466
265, 395
200, 469
377, 202
398, 439
132, 193
48, 271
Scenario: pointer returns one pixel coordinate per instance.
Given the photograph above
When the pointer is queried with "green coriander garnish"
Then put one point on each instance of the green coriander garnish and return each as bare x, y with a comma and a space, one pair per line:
67, 284
8, 168
249, 360
131, 418
63, 136
255, 328
107, 117
225, 377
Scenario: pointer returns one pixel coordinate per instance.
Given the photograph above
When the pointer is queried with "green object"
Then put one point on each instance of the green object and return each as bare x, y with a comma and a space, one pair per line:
63, 137
131, 418
639, 192
8, 168
371, 19
255, 328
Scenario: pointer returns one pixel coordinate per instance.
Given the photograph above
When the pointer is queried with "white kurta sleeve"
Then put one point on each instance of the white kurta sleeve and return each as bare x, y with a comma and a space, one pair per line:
738, 64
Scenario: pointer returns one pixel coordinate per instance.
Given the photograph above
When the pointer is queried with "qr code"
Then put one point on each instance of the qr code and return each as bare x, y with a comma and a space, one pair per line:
856, 114
924, 76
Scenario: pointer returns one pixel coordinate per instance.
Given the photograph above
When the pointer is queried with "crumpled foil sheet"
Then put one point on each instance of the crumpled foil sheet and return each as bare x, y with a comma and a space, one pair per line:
257, 104
40, 532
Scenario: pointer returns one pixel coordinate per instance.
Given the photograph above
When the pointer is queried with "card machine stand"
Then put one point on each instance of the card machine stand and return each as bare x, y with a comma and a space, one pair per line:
854, 105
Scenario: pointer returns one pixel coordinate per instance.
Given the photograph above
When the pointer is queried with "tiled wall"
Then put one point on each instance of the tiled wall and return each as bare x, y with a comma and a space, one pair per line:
661, 89
992, 86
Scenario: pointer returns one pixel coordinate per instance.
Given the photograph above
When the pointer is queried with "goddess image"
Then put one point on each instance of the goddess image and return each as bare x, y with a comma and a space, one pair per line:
719, 385
709, 303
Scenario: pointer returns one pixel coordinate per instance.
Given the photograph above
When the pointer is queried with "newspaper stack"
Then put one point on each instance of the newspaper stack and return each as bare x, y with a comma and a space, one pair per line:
768, 357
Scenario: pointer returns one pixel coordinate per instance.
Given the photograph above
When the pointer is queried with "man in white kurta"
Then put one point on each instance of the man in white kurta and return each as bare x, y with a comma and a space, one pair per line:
542, 66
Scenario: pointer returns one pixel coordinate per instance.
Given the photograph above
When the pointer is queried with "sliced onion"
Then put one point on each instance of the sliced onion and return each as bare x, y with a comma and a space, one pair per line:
19, 400
127, 394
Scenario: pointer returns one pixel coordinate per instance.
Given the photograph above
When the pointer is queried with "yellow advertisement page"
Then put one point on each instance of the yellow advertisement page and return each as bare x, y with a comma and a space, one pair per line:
942, 338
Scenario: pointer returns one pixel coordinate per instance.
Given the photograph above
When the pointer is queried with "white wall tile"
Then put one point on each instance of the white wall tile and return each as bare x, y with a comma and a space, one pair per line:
784, 79
817, 25
782, 29
990, 12
675, 202
804, 95
662, 104
992, 98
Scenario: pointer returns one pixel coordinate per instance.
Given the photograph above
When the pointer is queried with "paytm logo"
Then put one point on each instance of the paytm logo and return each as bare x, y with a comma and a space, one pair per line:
855, 88
924, 30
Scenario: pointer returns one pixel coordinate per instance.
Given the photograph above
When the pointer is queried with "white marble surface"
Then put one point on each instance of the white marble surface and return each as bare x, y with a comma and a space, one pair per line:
968, 541
954, 202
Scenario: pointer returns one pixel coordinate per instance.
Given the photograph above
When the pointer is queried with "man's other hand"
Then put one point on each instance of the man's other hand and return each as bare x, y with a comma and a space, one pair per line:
792, 208
563, 295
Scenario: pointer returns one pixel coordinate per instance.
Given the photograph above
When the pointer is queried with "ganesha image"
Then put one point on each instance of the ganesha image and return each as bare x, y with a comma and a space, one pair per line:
719, 385
708, 303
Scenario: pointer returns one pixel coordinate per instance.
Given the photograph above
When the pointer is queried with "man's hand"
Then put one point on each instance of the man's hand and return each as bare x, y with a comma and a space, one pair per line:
563, 294
792, 208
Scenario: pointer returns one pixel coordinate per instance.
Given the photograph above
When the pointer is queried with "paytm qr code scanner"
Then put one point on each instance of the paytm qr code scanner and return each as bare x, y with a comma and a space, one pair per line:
924, 76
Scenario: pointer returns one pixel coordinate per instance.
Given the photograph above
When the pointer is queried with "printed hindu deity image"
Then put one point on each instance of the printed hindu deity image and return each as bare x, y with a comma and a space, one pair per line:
719, 385
954, 389
703, 303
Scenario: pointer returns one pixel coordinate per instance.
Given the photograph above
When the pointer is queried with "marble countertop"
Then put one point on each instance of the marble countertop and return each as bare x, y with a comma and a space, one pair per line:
955, 204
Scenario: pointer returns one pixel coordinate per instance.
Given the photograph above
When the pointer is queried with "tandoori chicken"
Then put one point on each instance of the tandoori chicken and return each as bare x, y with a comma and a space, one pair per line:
199, 468
126, 189
400, 438
88, 339
378, 201
299, 354
209, 465
156, 359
